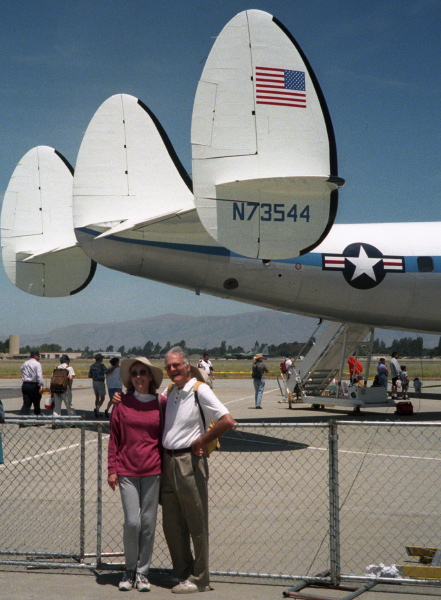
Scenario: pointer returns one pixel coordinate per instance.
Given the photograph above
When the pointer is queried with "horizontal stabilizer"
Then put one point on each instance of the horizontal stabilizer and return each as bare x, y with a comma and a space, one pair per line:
40, 252
135, 225
127, 171
264, 157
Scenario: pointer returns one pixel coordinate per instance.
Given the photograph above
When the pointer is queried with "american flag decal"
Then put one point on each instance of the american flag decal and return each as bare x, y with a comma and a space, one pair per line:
280, 87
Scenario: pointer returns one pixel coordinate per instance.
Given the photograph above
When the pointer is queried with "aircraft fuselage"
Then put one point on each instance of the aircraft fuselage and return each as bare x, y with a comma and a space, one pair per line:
383, 275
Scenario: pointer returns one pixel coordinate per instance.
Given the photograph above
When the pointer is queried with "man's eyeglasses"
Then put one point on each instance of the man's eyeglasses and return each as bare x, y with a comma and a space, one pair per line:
141, 373
173, 366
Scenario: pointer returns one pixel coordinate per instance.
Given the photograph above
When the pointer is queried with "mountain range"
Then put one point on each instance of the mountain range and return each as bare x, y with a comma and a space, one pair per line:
264, 326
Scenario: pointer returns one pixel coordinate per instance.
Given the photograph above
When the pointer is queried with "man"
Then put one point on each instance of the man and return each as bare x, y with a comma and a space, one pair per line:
258, 375
205, 364
33, 384
184, 493
395, 371
97, 373
355, 368
65, 396
289, 366
114, 383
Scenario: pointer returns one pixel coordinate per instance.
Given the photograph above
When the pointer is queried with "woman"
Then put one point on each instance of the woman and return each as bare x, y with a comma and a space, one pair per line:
382, 372
134, 463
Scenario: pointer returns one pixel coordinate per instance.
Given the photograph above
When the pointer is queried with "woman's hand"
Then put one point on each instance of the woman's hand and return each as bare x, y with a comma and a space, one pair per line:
116, 399
112, 480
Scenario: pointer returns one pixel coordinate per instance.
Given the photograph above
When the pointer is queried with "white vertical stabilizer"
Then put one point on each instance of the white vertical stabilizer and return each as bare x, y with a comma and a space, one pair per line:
264, 160
127, 171
39, 249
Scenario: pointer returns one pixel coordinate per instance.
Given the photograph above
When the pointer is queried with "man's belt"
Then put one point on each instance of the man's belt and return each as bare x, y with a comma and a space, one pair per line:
178, 452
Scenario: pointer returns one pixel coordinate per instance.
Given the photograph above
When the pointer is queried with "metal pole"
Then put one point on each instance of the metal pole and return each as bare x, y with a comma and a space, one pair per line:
343, 354
83, 493
369, 356
99, 498
334, 504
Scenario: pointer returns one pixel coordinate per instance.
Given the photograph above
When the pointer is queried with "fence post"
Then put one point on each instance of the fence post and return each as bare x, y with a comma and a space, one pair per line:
99, 497
334, 504
83, 493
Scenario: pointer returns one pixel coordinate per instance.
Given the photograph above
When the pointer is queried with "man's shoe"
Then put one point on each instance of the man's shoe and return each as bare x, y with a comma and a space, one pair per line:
142, 583
188, 587
106, 413
127, 582
96, 413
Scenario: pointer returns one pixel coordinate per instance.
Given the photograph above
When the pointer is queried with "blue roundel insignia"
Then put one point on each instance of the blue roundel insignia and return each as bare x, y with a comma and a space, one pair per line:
363, 266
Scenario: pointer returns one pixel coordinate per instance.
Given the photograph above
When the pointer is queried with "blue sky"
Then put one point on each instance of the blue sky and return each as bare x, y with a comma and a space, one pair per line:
378, 63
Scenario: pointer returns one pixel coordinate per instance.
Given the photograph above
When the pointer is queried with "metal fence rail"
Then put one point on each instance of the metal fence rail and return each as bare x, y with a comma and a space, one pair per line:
286, 500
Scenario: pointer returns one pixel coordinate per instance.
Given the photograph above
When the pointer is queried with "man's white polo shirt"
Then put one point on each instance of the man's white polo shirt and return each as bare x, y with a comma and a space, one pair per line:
183, 423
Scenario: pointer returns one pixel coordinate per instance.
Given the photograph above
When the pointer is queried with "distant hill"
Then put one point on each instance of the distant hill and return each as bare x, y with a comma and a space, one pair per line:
265, 326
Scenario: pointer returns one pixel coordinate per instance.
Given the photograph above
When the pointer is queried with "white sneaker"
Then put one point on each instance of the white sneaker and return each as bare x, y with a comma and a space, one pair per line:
188, 587
127, 581
142, 583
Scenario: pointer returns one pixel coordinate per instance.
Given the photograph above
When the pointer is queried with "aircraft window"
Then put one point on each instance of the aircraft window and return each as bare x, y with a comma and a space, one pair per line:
425, 264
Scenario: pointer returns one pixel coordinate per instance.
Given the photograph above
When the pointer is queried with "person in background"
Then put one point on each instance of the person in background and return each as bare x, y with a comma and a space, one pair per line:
395, 371
382, 372
359, 381
355, 368
205, 364
289, 366
66, 396
33, 384
97, 373
114, 383
134, 463
417, 385
404, 378
258, 374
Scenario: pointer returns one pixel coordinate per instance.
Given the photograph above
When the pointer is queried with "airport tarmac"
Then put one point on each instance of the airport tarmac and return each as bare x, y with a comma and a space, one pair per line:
238, 395
31, 584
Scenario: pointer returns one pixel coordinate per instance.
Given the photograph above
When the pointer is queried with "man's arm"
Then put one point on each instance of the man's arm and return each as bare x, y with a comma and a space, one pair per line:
224, 424
40, 376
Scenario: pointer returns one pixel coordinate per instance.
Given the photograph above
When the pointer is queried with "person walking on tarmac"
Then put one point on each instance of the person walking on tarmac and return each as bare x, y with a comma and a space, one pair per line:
258, 374
395, 371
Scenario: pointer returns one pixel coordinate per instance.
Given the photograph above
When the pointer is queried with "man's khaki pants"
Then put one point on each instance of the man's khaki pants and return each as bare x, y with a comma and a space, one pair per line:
184, 498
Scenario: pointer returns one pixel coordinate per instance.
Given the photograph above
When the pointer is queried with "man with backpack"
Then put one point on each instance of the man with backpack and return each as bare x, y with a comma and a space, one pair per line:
258, 374
184, 489
61, 387
287, 366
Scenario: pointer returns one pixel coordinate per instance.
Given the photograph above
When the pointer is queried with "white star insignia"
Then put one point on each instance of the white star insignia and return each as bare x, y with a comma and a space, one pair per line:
363, 264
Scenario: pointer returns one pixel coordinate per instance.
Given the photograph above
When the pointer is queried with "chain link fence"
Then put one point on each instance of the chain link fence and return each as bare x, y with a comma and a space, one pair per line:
286, 500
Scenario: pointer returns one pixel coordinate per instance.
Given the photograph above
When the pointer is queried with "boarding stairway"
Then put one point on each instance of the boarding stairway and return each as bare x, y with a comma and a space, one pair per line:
326, 361
328, 355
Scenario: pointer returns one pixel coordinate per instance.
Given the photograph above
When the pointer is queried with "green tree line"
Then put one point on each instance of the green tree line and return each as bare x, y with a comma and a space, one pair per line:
406, 346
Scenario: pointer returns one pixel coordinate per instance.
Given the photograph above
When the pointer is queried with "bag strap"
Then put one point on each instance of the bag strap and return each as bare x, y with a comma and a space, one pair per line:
196, 397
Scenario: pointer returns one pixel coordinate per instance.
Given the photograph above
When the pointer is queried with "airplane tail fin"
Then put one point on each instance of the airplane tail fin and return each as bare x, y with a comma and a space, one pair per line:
127, 172
264, 156
40, 253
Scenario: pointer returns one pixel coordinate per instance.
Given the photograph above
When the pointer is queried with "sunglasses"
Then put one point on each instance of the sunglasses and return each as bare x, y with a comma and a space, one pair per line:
141, 373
